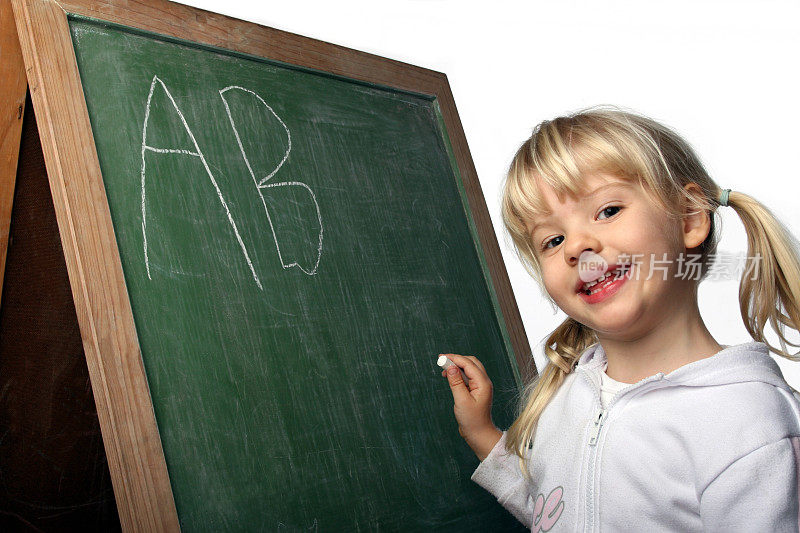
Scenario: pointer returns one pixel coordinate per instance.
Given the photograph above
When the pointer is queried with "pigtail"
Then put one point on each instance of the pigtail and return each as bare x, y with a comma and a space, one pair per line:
774, 295
563, 348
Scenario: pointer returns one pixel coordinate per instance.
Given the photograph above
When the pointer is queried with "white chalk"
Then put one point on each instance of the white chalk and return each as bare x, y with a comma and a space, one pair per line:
446, 363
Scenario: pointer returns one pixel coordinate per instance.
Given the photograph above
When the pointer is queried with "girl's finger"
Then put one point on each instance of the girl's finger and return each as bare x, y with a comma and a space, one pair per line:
476, 361
461, 395
469, 367
460, 360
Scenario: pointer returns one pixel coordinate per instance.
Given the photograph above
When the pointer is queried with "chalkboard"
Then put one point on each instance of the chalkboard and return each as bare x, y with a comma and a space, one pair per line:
297, 248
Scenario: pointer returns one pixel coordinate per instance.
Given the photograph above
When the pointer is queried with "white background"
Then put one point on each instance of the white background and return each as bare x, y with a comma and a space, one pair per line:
722, 73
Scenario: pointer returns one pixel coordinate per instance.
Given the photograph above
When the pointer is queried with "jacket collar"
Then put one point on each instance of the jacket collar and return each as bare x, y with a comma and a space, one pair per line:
747, 362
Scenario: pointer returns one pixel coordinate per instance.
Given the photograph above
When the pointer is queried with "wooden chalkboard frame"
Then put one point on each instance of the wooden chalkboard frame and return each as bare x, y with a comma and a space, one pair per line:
133, 446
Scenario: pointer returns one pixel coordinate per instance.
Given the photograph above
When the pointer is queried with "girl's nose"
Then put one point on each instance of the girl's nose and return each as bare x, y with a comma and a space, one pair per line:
580, 244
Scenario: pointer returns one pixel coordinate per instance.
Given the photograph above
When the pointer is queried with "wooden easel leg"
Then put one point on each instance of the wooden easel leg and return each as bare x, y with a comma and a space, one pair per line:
53, 470
13, 85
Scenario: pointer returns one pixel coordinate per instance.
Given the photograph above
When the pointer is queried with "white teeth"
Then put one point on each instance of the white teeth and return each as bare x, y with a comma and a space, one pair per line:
590, 284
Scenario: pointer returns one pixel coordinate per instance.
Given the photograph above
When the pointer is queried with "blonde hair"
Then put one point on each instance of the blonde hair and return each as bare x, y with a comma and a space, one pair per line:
634, 147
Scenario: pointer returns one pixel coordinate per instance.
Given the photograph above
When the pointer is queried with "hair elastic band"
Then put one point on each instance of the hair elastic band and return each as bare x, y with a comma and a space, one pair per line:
723, 197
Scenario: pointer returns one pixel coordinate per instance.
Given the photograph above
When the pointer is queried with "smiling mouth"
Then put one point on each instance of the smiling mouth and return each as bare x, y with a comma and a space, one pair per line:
593, 287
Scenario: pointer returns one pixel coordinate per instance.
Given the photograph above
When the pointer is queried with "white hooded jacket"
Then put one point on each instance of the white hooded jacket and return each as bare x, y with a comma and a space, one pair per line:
714, 445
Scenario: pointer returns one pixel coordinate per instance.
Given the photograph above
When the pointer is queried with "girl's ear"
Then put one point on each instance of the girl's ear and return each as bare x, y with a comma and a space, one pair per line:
696, 225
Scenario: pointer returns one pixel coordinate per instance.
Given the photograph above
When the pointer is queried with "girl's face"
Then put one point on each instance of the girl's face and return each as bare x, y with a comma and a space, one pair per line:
612, 226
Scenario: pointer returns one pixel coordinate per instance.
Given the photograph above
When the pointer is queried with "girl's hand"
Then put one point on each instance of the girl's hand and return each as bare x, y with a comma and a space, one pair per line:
473, 405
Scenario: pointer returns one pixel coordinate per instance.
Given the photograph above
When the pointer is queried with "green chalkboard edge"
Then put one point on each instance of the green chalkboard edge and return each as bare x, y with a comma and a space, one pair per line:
242, 55
487, 278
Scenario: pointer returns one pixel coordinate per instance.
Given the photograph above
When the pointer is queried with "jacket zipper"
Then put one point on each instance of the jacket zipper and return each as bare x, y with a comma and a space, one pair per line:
599, 418
598, 423
594, 435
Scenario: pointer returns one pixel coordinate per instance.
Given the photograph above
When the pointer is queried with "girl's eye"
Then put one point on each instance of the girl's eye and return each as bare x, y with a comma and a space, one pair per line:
614, 210
547, 244
609, 212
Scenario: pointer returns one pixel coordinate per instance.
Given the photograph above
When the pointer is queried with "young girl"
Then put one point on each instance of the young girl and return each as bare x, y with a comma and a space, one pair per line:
641, 420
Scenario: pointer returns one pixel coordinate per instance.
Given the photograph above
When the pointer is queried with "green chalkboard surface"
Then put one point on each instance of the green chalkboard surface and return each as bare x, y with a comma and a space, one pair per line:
297, 252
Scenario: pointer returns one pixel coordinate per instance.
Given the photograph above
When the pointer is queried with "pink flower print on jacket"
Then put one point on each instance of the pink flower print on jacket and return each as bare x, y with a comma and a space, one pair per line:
547, 512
